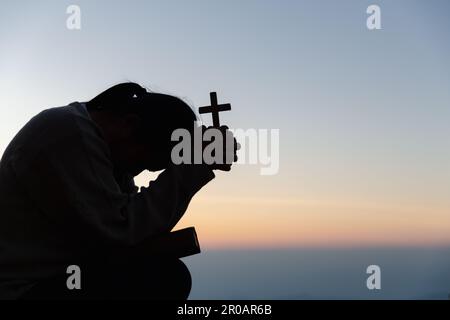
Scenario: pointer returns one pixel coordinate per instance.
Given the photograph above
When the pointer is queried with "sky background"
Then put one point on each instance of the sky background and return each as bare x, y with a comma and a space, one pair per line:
363, 118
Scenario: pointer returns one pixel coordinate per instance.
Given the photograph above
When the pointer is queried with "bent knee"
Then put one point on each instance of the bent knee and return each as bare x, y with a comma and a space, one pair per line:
182, 279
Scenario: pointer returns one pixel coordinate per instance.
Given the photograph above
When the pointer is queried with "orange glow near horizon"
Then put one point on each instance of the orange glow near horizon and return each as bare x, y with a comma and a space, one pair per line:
249, 219
267, 223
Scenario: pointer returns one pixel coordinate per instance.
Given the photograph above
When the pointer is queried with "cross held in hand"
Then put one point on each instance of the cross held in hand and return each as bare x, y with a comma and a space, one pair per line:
214, 109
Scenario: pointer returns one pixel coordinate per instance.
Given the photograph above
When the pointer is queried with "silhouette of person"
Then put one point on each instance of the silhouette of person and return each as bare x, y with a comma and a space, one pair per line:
67, 197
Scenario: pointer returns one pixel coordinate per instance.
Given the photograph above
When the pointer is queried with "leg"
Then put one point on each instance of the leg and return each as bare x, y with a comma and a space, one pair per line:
162, 279
155, 279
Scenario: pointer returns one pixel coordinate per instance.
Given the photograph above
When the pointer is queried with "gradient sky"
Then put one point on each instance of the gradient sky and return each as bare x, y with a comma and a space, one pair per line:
363, 115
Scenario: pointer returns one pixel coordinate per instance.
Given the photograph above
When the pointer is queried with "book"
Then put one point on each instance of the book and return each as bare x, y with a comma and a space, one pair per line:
176, 244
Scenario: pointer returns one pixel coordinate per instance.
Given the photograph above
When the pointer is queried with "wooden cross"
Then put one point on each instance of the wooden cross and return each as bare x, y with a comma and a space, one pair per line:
214, 109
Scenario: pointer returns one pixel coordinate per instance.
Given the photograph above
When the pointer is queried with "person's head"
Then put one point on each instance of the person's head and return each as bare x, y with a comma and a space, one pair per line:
137, 125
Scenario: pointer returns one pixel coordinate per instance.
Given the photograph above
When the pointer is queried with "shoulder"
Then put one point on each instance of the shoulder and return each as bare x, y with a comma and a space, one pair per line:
58, 122
55, 128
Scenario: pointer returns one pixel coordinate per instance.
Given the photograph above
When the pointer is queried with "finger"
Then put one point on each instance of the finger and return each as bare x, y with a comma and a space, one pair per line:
237, 145
223, 167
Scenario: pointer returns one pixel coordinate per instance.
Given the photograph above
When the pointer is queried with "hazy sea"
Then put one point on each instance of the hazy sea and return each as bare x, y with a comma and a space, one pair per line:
406, 273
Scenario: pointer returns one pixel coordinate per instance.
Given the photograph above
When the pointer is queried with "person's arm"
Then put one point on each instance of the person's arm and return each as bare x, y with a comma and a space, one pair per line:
71, 182
168, 196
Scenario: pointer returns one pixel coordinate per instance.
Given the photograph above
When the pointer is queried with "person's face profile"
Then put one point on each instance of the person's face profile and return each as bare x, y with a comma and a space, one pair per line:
147, 147
153, 156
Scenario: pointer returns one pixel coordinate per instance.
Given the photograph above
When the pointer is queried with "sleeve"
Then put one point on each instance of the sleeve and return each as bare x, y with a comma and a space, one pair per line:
71, 182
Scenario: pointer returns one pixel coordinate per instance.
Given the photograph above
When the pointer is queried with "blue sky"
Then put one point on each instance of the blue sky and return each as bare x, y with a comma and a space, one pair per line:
346, 99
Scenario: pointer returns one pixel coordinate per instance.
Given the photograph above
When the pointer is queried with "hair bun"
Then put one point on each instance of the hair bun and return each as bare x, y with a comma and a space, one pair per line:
122, 93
